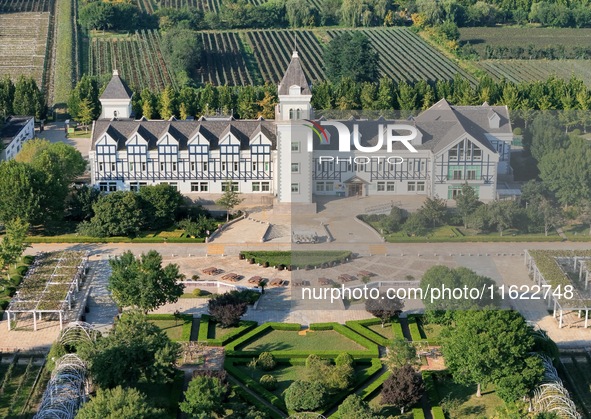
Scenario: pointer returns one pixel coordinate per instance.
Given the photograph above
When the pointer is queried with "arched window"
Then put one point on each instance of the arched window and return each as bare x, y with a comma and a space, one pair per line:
291, 114
299, 114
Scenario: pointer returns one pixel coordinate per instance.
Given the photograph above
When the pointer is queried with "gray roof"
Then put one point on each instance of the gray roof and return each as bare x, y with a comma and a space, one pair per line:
12, 128
294, 76
183, 131
440, 126
116, 89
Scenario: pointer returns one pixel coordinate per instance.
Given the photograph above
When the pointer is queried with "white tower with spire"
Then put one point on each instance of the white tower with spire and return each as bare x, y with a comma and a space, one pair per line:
294, 180
116, 99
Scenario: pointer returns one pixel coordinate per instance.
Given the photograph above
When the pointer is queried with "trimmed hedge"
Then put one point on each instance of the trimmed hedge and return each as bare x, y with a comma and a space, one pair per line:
475, 239
204, 322
254, 385
397, 329
417, 413
253, 334
371, 352
370, 391
430, 387
360, 326
250, 399
299, 259
88, 239
360, 379
437, 412
413, 327
187, 323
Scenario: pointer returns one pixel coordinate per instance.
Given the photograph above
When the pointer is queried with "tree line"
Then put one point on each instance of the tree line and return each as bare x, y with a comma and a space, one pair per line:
236, 14
248, 102
529, 52
21, 98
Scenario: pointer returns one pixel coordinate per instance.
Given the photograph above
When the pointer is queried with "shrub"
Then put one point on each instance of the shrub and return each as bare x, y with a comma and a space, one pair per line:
304, 395
196, 292
269, 382
22, 270
266, 361
517, 131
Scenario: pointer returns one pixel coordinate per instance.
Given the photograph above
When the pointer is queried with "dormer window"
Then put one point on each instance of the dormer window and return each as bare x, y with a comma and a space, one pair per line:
295, 90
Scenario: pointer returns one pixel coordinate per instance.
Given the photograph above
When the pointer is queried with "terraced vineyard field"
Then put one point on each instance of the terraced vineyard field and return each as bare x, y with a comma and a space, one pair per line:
12, 6
224, 60
236, 57
532, 70
138, 58
18, 374
23, 44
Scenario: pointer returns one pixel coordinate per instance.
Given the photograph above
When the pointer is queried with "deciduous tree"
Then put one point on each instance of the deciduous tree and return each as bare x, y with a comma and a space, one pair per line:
204, 396
486, 346
227, 309
229, 200
118, 403
403, 388
142, 282
384, 308
135, 349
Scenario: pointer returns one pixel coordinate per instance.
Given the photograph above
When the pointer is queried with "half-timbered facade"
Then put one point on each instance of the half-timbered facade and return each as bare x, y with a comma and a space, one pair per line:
454, 145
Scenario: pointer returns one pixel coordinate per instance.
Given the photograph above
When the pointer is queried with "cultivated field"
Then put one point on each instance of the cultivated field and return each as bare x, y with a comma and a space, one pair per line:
23, 41
533, 70
215, 6
479, 38
12, 6
138, 57
241, 56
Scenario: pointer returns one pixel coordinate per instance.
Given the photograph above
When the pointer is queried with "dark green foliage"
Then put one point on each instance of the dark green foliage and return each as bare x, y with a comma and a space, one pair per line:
567, 171
118, 403
22, 191
28, 98
183, 49
351, 56
135, 349
305, 396
60, 164
160, 204
142, 282
492, 346
79, 202
115, 214
86, 89
353, 407
415, 225
467, 202
102, 15
269, 382
266, 361
205, 395
442, 310
403, 388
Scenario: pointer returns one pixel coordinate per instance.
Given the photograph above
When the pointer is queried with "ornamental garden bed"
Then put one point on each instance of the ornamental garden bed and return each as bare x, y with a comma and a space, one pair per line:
213, 334
297, 259
176, 328
287, 340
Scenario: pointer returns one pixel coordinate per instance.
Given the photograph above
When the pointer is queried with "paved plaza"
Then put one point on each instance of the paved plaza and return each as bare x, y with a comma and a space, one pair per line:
392, 265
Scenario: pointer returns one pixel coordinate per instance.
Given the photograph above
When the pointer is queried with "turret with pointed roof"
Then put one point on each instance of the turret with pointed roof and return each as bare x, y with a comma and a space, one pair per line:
116, 99
294, 93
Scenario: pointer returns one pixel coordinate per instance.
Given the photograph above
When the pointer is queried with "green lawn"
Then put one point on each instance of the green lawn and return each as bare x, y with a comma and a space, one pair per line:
385, 331
283, 340
285, 375
215, 331
387, 410
172, 328
463, 403
433, 331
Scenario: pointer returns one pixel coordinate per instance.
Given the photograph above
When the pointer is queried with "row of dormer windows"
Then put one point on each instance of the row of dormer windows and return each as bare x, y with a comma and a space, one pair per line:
193, 149
194, 166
